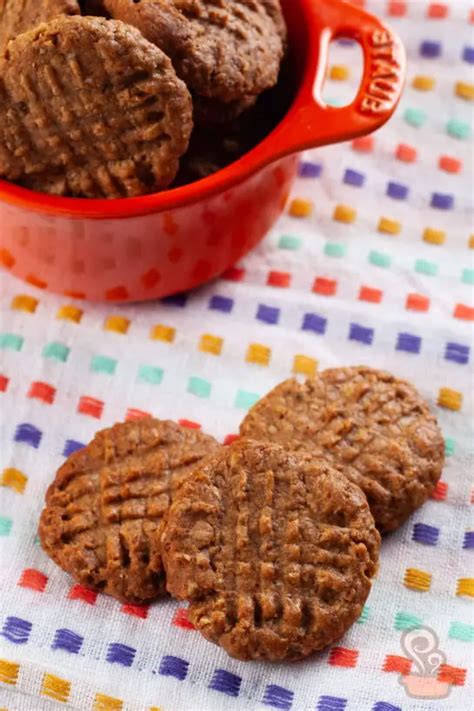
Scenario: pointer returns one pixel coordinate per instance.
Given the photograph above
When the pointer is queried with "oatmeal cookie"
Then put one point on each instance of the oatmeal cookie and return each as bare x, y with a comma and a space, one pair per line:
89, 108
274, 550
104, 510
373, 426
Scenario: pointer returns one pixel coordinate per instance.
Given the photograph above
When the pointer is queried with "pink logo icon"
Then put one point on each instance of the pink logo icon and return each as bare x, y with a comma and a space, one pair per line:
421, 646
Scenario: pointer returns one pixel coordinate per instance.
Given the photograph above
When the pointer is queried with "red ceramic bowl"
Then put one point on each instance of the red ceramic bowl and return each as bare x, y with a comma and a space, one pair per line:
148, 247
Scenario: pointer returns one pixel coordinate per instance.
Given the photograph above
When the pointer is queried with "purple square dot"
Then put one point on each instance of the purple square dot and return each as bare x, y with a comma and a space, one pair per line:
468, 54
353, 177
268, 314
397, 191
442, 201
430, 49
221, 303
310, 170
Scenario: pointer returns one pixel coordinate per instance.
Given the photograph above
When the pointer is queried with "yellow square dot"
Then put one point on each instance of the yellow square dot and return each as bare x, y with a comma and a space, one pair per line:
102, 702
257, 353
339, 72
465, 90
465, 586
9, 672
56, 688
450, 399
23, 302
417, 579
163, 333
14, 479
388, 226
423, 83
433, 236
304, 365
471, 242
210, 344
301, 208
70, 313
117, 324
344, 213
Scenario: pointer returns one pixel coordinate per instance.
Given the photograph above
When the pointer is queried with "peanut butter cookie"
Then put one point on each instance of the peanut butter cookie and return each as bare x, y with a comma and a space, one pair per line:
104, 510
89, 108
274, 550
374, 427
19, 16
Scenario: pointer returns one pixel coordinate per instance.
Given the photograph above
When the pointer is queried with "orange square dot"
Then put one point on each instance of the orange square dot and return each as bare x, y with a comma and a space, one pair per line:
464, 90
406, 153
259, 354
434, 236
69, 313
450, 164
339, 72
210, 344
421, 82
450, 399
163, 333
417, 302
344, 213
117, 324
299, 207
437, 11
471, 242
305, 365
367, 293
397, 8
24, 302
325, 287
389, 227
364, 144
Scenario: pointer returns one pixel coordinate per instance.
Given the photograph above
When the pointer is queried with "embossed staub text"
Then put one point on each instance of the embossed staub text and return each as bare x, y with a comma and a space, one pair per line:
384, 75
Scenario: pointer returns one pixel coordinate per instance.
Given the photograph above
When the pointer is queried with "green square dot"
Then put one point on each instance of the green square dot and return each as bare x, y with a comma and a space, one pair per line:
245, 400
199, 387
36, 541
56, 351
150, 374
335, 101
364, 616
415, 117
334, 249
458, 129
11, 341
406, 621
424, 267
449, 446
102, 364
5, 526
468, 276
289, 242
461, 631
380, 259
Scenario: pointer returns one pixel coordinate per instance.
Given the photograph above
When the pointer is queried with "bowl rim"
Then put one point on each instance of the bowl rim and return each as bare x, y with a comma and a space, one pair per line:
264, 153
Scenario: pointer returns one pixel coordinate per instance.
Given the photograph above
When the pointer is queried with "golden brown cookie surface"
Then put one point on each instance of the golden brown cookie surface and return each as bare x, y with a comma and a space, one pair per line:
376, 427
88, 108
275, 551
226, 50
103, 513
17, 16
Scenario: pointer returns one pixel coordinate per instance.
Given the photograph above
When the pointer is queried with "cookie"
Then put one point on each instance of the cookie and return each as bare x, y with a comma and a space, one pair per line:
374, 427
214, 113
225, 50
17, 17
103, 513
88, 108
275, 551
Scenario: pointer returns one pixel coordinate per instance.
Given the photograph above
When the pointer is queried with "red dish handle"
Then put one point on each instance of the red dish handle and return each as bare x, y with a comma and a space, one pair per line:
313, 123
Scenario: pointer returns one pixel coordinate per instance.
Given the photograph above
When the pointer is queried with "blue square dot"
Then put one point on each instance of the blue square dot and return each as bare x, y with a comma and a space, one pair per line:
268, 314
314, 323
221, 303
468, 54
408, 342
397, 191
354, 178
430, 49
307, 169
442, 201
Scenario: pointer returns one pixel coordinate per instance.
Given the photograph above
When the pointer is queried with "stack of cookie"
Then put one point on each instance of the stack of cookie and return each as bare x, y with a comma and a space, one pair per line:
272, 539
104, 106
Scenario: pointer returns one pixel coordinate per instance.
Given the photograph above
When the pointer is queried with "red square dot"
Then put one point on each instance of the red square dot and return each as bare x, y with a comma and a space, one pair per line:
181, 619
279, 279
3, 383
367, 293
140, 611
190, 424
231, 438
464, 312
450, 164
471, 16
406, 153
33, 579
437, 11
134, 414
364, 144
79, 592
440, 491
42, 391
342, 657
396, 663
325, 287
397, 8
417, 302
90, 406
